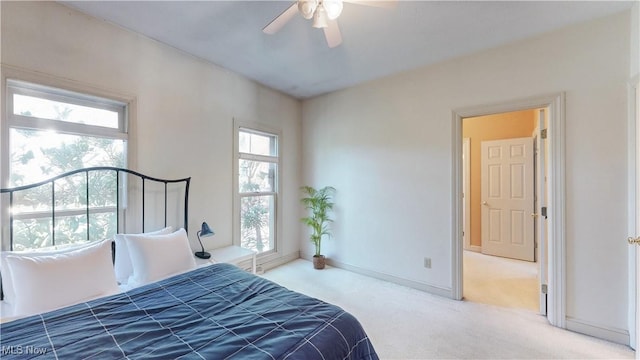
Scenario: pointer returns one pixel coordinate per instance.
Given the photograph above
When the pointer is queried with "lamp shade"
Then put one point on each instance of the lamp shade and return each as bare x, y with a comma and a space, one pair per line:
206, 230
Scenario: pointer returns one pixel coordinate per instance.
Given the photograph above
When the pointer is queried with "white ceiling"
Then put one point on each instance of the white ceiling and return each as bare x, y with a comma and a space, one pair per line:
376, 42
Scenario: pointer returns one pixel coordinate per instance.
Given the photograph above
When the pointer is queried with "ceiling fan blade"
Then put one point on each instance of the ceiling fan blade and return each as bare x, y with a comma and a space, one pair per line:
276, 24
376, 3
332, 34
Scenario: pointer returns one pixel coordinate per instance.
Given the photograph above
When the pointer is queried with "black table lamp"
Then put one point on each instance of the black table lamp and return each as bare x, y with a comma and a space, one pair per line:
205, 231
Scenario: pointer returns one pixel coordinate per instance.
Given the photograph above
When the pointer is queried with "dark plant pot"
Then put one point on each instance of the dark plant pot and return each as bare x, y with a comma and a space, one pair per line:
318, 262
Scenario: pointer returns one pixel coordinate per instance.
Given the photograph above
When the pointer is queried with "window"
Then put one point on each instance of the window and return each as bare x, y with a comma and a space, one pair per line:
51, 131
257, 189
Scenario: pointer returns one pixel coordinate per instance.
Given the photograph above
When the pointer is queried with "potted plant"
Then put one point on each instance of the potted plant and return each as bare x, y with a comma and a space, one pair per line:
319, 203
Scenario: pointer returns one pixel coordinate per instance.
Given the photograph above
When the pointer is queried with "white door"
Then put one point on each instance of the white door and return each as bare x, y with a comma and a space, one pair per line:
466, 193
540, 199
507, 198
634, 218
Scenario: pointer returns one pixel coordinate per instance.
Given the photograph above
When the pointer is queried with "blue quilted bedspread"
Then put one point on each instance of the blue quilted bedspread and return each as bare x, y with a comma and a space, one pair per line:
214, 312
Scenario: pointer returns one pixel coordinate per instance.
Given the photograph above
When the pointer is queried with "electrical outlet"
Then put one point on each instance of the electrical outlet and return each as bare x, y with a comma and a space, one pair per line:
427, 263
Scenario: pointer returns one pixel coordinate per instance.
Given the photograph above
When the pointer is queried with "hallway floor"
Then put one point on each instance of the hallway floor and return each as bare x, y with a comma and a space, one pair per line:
500, 281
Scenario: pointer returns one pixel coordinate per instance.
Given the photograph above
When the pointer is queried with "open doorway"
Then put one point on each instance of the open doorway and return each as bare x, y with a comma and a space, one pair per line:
500, 221
553, 264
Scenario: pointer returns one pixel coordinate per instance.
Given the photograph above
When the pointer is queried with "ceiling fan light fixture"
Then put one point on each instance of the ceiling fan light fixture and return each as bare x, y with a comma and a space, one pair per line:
320, 18
333, 8
307, 8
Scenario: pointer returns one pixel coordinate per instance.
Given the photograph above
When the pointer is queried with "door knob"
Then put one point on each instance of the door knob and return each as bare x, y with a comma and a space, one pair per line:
632, 240
485, 203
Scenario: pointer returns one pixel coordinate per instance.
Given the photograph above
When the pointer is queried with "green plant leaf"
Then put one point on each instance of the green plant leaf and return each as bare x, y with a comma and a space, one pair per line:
319, 203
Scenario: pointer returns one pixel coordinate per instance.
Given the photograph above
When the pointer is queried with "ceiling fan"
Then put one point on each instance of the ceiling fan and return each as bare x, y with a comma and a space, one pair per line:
324, 14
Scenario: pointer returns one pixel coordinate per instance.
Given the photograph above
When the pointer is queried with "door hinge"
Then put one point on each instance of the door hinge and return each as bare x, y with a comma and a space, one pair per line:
543, 288
543, 211
543, 133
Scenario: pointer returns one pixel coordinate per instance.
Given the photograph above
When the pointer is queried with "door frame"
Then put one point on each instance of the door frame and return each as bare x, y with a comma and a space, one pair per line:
633, 209
540, 169
556, 301
466, 190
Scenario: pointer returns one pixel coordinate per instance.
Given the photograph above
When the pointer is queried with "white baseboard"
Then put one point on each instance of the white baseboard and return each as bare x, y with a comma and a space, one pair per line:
264, 266
436, 290
619, 336
474, 248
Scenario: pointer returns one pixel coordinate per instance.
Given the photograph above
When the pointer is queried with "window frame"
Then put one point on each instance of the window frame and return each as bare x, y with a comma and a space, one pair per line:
76, 98
16, 81
260, 129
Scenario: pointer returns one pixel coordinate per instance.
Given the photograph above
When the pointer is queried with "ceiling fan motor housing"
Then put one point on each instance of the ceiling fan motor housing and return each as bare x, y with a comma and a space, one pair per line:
308, 8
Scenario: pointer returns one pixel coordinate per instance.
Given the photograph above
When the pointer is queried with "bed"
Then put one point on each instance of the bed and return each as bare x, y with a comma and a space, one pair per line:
176, 310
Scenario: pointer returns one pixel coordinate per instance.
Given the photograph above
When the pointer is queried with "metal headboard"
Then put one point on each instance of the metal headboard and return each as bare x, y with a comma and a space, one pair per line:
86, 171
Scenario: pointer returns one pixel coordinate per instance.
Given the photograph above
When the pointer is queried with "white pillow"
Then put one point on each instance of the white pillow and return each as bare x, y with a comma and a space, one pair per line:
48, 282
5, 272
158, 256
122, 264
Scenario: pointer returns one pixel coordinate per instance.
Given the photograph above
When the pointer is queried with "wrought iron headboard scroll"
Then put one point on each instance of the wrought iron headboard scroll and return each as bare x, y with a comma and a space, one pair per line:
86, 171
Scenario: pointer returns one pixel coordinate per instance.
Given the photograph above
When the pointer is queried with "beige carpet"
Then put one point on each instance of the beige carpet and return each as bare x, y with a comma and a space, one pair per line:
500, 281
405, 323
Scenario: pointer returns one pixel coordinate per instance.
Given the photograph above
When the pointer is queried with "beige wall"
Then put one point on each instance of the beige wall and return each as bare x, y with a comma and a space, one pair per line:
183, 119
635, 40
492, 127
387, 147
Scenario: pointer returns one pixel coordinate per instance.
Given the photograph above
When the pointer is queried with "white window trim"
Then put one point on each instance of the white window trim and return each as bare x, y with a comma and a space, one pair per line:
9, 72
258, 127
125, 131
56, 94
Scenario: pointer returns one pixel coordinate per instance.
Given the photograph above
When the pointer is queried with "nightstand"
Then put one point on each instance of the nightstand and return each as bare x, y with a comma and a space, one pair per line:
204, 262
234, 255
